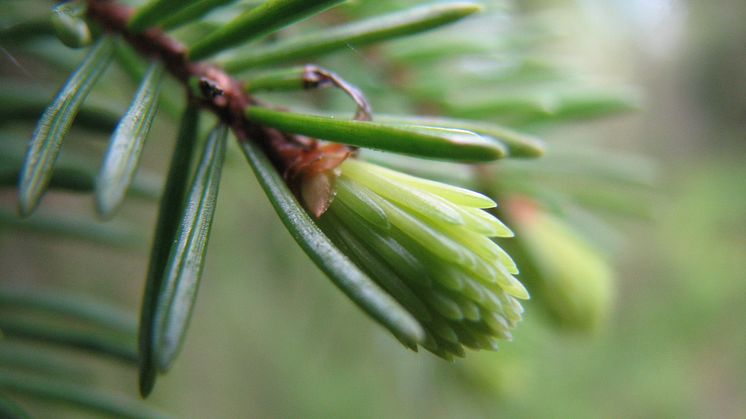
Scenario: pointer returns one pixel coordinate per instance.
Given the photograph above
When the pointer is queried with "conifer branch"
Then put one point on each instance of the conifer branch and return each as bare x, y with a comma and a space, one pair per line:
229, 100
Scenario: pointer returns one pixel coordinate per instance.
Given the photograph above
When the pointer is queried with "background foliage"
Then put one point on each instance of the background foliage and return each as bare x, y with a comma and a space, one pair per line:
270, 338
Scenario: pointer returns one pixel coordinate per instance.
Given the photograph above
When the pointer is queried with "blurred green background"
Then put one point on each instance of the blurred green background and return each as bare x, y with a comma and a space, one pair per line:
271, 337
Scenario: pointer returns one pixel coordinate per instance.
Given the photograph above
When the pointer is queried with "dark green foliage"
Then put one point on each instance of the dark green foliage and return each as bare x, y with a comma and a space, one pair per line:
93, 400
11, 409
122, 235
191, 12
54, 124
63, 321
165, 234
416, 140
25, 102
271, 16
183, 267
117, 347
518, 145
70, 26
73, 172
415, 255
358, 34
90, 312
122, 158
